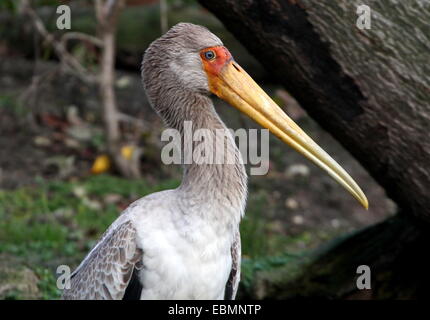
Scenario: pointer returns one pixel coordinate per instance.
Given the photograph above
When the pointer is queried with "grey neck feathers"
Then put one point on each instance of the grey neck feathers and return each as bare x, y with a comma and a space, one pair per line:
223, 182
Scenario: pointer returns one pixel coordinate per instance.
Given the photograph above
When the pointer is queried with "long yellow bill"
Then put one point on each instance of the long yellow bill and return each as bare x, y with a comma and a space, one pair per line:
235, 86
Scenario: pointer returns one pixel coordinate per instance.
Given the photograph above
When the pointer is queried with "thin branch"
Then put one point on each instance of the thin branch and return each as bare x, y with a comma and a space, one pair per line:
139, 123
110, 7
81, 37
114, 7
98, 5
68, 60
163, 16
107, 11
36, 81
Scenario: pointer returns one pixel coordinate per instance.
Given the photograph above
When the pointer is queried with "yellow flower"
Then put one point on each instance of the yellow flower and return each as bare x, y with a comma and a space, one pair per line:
101, 164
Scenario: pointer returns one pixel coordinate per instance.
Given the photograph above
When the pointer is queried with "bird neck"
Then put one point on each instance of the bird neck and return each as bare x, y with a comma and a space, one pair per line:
214, 173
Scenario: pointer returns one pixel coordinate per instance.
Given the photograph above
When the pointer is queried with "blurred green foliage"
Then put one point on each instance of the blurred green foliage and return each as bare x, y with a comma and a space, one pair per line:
57, 222
41, 213
10, 103
45, 213
9, 5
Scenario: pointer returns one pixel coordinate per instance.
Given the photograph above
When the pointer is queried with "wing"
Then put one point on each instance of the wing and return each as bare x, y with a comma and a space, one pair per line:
234, 278
110, 269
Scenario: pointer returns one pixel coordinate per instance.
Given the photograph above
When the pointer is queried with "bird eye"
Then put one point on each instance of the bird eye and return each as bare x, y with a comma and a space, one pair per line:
210, 55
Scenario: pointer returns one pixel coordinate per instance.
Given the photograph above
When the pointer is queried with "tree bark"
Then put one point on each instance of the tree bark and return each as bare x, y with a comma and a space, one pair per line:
393, 250
369, 88
107, 16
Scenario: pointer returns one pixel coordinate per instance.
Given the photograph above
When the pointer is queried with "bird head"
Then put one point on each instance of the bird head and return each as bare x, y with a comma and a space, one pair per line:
191, 58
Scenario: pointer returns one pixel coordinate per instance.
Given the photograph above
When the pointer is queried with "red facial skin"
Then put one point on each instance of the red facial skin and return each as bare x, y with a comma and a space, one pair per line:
213, 67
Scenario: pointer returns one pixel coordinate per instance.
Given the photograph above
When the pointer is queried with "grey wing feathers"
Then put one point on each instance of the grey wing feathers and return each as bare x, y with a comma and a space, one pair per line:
234, 278
107, 270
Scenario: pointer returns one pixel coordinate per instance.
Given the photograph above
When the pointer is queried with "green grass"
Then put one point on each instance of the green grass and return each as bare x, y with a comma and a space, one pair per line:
10, 103
251, 266
45, 213
53, 223
57, 222
255, 243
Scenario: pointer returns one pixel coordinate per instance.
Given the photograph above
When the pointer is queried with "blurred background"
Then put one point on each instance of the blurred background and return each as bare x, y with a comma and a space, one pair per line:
64, 177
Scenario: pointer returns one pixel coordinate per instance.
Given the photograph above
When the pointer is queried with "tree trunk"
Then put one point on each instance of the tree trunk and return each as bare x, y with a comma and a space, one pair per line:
369, 88
393, 250
107, 15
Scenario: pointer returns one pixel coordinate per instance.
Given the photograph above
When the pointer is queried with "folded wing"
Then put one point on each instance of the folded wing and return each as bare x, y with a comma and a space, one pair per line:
110, 269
